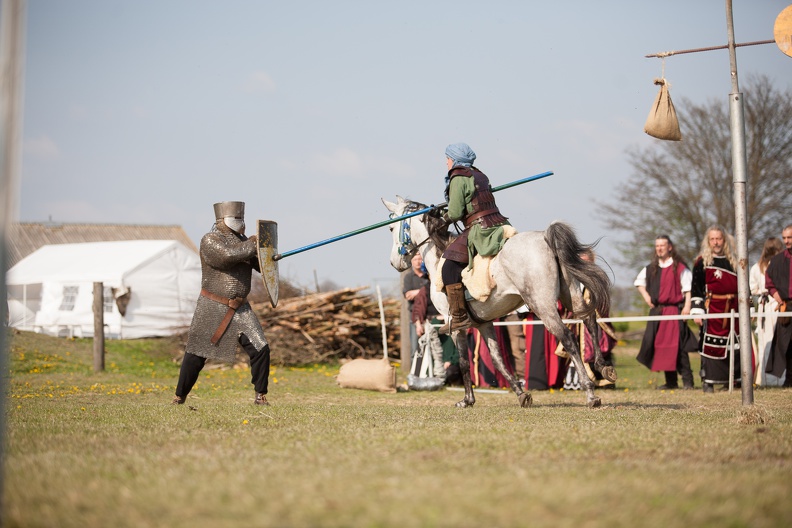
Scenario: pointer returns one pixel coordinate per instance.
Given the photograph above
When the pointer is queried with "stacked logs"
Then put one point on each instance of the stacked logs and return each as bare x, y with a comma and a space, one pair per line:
329, 326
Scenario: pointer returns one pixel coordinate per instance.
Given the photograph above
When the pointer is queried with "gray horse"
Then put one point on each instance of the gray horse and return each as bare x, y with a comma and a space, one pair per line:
533, 268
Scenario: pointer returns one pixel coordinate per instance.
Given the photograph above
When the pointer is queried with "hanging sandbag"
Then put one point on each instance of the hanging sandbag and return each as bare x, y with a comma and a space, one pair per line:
662, 122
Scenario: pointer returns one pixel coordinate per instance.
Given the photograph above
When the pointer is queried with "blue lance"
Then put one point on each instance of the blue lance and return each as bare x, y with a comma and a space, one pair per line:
397, 219
268, 242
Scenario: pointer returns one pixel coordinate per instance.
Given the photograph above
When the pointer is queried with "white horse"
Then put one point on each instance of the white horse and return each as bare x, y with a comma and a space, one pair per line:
534, 268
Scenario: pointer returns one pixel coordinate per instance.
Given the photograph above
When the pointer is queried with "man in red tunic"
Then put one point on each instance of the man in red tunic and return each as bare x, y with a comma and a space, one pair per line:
714, 291
665, 286
778, 281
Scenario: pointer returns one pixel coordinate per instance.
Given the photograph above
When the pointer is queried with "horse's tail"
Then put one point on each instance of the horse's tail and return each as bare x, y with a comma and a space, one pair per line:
569, 253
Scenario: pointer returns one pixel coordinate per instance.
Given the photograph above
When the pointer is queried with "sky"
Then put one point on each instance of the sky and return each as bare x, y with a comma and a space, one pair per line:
311, 112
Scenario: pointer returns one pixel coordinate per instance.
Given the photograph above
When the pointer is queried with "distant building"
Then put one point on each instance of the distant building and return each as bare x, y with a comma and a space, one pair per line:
150, 288
27, 237
149, 292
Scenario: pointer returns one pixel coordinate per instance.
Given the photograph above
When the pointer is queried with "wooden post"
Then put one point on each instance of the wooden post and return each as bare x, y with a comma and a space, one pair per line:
98, 340
12, 61
406, 345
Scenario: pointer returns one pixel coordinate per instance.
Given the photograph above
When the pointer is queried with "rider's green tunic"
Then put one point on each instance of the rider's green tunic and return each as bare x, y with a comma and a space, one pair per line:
482, 241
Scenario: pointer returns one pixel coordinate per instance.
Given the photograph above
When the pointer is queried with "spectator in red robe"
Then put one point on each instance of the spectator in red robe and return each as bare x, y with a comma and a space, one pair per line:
665, 286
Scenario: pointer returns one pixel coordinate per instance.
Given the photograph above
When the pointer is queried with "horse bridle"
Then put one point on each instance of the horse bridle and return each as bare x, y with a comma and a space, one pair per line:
407, 246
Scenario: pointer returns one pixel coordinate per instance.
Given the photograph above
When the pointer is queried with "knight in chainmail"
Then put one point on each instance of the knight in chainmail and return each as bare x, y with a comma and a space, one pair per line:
223, 317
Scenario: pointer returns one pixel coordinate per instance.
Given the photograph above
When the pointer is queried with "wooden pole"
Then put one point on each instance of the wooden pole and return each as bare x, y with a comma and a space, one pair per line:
711, 48
405, 329
12, 44
382, 323
98, 340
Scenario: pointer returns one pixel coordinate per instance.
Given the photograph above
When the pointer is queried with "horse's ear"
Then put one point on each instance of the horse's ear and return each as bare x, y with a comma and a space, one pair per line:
390, 205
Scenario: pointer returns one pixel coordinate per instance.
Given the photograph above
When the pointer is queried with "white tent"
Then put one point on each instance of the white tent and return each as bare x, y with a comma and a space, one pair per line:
155, 282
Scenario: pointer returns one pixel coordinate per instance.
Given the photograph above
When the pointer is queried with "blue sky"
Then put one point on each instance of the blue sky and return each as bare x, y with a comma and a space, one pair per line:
150, 111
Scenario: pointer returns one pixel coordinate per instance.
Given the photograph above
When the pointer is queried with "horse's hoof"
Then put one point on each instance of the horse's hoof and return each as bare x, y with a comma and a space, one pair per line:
526, 400
609, 373
594, 402
462, 404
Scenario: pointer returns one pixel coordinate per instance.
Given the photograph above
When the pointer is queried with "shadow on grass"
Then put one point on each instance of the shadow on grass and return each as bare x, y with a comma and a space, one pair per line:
635, 405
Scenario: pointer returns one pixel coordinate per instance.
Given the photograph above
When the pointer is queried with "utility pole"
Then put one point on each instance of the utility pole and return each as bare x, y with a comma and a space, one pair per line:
739, 178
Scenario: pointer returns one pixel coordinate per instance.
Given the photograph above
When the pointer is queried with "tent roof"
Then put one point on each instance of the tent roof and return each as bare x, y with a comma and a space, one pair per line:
89, 262
27, 237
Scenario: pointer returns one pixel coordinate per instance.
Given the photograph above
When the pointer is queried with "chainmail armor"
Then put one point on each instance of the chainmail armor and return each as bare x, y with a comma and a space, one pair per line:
227, 262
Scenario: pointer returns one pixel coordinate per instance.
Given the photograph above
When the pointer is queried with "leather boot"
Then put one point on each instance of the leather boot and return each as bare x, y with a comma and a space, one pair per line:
460, 320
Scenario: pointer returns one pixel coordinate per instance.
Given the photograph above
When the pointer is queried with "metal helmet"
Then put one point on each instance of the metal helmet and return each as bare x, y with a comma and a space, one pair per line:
232, 214
235, 209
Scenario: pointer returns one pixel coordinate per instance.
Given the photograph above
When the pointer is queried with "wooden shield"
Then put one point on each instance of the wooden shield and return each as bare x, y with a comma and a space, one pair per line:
267, 249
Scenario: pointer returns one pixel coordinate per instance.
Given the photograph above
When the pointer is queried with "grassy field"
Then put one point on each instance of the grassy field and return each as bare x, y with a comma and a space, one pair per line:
108, 449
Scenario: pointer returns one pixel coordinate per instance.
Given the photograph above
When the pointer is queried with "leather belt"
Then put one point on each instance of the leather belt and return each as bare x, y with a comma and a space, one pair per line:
470, 220
720, 296
232, 304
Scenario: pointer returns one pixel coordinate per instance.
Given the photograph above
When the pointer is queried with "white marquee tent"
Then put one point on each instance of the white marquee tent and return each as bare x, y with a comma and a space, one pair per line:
155, 283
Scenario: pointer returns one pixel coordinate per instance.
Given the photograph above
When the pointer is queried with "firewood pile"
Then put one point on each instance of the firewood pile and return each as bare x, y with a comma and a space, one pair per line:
329, 326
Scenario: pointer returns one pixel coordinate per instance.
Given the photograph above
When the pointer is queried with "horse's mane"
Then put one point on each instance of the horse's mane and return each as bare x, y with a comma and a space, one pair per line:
435, 226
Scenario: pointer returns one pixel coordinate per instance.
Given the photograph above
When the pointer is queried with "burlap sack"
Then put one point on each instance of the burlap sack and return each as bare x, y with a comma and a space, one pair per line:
662, 122
368, 374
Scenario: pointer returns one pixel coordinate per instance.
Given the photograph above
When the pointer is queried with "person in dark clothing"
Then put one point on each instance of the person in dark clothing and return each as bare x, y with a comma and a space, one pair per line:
778, 280
414, 280
665, 286
714, 291
423, 312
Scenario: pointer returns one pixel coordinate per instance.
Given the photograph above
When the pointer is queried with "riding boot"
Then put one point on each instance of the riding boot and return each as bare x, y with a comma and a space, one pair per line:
460, 320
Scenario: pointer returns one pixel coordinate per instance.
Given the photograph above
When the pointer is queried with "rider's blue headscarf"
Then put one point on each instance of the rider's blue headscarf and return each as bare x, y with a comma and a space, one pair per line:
461, 153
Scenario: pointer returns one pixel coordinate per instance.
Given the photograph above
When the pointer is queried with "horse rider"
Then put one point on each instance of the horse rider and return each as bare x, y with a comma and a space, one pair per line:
470, 200
223, 317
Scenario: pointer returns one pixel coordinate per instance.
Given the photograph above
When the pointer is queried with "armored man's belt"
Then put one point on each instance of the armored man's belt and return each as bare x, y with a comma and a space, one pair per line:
232, 304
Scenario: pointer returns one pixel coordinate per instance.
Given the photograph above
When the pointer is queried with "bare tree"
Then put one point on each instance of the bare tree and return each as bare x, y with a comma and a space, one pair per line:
681, 188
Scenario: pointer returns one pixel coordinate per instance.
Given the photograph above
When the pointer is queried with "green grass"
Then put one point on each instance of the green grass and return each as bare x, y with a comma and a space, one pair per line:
107, 449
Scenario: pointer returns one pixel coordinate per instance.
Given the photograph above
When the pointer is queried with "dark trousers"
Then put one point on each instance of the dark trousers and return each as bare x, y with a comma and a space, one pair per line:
453, 375
683, 367
452, 272
259, 368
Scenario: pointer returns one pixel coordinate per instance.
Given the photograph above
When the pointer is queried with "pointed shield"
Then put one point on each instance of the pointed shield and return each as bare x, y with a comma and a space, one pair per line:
267, 249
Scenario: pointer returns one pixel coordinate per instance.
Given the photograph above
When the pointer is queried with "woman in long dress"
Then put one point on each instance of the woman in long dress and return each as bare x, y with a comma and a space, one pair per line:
766, 308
